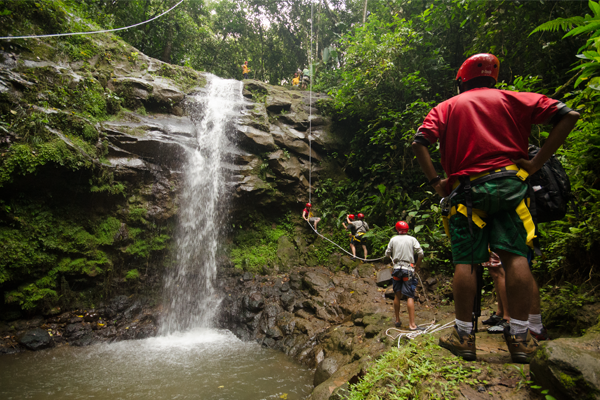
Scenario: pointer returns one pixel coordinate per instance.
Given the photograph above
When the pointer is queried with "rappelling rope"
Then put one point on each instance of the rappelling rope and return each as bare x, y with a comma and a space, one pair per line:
91, 32
430, 328
310, 82
342, 249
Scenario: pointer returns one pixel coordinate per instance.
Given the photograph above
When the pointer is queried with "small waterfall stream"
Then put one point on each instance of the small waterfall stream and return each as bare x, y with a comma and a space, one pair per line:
189, 295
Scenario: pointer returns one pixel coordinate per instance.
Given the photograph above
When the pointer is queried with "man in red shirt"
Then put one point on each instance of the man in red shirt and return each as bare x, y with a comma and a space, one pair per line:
481, 132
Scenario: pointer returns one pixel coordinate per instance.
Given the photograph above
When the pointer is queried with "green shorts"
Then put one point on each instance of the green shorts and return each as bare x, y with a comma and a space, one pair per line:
504, 229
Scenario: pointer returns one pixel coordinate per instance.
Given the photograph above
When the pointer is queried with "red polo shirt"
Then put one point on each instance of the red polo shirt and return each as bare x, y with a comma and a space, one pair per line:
483, 129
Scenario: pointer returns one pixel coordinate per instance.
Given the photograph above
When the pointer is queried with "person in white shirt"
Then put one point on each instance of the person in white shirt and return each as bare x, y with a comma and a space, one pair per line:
402, 250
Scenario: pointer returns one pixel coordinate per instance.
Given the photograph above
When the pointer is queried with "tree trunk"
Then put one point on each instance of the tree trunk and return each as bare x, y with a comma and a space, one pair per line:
365, 12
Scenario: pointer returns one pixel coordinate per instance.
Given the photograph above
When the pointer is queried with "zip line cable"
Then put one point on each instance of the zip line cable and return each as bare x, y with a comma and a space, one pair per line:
91, 32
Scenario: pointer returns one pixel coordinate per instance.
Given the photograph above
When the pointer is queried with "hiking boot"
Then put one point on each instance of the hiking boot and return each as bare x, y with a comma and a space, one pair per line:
499, 327
460, 344
521, 346
540, 337
493, 320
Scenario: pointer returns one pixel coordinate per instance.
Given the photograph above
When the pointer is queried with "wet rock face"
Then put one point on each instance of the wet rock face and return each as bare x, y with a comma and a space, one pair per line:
36, 339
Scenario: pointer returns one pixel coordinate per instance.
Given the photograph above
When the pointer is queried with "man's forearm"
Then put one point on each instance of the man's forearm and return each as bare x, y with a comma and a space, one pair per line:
556, 138
424, 159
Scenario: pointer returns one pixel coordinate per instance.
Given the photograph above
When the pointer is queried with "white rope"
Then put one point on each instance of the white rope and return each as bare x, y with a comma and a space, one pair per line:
91, 32
310, 82
341, 248
430, 329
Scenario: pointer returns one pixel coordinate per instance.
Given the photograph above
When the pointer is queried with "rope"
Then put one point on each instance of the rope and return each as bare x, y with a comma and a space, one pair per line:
310, 71
342, 249
91, 32
430, 328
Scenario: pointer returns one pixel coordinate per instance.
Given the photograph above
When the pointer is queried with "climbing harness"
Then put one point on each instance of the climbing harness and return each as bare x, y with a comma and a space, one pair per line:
91, 32
429, 329
342, 249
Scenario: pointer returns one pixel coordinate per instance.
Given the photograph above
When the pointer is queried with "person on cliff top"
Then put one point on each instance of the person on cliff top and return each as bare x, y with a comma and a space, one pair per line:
245, 69
484, 131
402, 249
296, 80
307, 215
357, 230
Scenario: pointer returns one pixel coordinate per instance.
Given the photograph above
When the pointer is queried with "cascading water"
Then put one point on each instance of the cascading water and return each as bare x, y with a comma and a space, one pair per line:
190, 299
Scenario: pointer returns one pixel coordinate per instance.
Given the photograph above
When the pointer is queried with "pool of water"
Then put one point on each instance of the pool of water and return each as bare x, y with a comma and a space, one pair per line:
200, 364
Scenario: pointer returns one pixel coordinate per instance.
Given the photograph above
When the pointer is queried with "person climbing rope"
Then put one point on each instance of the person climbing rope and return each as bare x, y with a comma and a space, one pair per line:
245, 69
402, 249
483, 134
358, 230
307, 215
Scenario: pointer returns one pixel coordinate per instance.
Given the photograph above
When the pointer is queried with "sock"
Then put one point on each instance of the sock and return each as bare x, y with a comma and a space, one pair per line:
517, 326
535, 323
464, 327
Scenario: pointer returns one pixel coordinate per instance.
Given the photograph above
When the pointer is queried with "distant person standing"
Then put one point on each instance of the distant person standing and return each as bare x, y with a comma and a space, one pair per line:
359, 228
245, 69
402, 249
296, 80
305, 78
349, 219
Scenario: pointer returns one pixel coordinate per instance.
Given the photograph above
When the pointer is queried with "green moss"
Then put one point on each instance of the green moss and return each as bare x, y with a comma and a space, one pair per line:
142, 247
137, 214
567, 380
132, 274
107, 230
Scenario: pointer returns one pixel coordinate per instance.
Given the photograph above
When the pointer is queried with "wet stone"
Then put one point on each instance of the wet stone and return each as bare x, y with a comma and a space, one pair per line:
254, 302
36, 339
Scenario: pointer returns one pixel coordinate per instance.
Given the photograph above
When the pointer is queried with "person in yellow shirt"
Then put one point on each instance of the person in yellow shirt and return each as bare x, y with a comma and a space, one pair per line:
245, 69
296, 80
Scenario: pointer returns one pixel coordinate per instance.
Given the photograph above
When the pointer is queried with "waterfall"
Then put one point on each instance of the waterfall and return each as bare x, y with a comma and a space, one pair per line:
189, 296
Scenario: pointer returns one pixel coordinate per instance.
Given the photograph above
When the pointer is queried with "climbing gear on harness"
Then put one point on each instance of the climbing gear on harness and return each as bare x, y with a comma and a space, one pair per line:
402, 227
351, 217
475, 216
483, 64
551, 189
361, 216
308, 205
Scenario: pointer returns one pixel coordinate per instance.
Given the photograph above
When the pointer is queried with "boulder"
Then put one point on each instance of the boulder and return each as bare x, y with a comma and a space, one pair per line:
254, 302
569, 368
344, 374
276, 102
328, 367
286, 252
36, 339
254, 139
316, 281
384, 277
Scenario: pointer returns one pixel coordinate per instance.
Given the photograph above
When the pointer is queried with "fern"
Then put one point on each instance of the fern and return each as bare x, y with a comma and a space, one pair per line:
555, 25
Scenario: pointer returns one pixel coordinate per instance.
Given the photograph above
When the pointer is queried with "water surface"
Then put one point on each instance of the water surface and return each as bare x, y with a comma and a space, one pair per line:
200, 364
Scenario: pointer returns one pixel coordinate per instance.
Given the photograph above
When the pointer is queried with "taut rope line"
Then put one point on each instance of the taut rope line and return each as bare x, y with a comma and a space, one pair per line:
310, 82
90, 32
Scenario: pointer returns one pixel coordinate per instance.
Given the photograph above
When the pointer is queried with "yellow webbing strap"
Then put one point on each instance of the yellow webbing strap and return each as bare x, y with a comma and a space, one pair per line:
521, 174
477, 214
527, 220
446, 221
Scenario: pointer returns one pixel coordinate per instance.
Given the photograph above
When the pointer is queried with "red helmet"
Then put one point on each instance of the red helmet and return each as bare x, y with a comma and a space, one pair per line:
361, 215
351, 217
308, 205
483, 64
402, 227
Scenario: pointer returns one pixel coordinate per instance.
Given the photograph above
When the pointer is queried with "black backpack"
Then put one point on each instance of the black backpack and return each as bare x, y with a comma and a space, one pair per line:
551, 188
